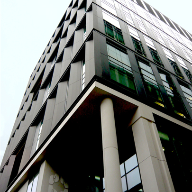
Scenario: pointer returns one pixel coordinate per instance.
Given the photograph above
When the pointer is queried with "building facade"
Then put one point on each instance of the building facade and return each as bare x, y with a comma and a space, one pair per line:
107, 107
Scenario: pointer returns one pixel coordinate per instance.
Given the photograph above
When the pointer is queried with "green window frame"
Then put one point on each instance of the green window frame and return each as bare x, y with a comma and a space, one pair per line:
138, 46
187, 72
113, 32
120, 68
176, 69
173, 95
151, 85
155, 56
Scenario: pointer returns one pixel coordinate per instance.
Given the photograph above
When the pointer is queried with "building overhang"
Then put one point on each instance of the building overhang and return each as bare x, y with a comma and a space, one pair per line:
88, 106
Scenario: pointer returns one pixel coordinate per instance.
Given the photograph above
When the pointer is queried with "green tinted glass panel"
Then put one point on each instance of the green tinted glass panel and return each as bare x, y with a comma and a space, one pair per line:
176, 144
122, 77
113, 32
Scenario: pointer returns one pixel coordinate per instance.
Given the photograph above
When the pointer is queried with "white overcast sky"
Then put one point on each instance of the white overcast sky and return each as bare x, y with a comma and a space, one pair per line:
26, 27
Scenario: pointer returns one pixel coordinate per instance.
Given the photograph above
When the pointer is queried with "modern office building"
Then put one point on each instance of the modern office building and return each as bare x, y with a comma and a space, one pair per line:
107, 107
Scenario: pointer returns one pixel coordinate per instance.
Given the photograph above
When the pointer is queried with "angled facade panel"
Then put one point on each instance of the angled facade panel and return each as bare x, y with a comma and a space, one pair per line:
107, 107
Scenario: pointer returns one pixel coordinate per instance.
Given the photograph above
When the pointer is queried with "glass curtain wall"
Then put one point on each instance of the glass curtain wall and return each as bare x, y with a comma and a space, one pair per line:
37, 137
176, 144
176, 68
173, 95
138, 46
120, 67
150, 83
32, 187
113, 32
130, 175
187, 92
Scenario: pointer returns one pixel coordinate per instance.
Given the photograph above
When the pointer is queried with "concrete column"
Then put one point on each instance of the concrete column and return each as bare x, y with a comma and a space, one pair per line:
152, 163
110, 150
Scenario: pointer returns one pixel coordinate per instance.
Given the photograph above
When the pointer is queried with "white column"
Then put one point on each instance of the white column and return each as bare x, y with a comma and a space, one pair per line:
152, 163
110, 149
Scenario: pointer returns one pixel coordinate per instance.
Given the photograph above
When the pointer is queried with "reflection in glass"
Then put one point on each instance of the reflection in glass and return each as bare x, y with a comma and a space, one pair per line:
176, 68
188, 73
122, 169
124, 185
113, 32
187, 92
172, 94
151, 83
155, 56
120, 68
176, 144
130, 177
133, 178
138, 46
35, 184
29, 186
131, 163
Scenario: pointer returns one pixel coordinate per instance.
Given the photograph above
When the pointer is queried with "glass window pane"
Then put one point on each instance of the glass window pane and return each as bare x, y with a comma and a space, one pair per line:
29, 186
35, 183
122, 169
131, 163
133, 178
103, 183
124, 185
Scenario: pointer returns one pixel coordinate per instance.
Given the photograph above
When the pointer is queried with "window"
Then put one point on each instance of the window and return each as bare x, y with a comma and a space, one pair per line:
176, 68
47, 91
155, 56
113, 32
66, 96
84, 33
53, 62
176, 144
83, 76
53, 57
32, 186
34, 77
130, 175
138, 46
173, 95
37, 137
187, 92
188, 73
150, 83
49, 49
38, 68
153, 51
120, 68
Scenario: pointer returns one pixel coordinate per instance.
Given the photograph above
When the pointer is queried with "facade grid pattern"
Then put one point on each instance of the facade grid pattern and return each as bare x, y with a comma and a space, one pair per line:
111, 99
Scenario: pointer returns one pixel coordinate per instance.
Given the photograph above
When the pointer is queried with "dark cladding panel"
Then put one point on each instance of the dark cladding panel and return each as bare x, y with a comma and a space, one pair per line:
140, 3
187, 34
74, 83
149, 8
160, 16
179, 29
170, 23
